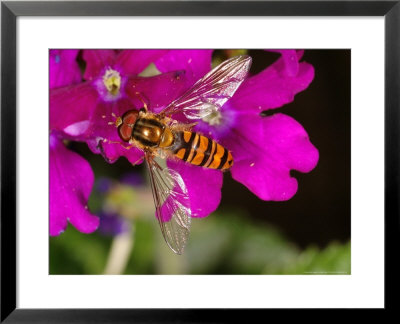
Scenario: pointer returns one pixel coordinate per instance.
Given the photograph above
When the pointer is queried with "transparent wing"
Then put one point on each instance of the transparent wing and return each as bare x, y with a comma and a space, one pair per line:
172, 204
210, 93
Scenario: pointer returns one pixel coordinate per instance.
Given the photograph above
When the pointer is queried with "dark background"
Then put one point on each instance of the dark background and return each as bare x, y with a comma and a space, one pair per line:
320, 211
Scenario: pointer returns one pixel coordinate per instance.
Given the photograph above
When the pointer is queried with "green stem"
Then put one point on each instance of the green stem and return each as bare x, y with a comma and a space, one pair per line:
120, 251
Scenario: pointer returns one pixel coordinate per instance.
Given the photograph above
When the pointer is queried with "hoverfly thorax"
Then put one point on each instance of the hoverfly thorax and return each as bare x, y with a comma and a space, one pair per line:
145, 129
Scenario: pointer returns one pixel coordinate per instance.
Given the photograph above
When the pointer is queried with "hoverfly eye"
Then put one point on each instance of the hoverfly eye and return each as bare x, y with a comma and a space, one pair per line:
125, 132
126, 127
130, 117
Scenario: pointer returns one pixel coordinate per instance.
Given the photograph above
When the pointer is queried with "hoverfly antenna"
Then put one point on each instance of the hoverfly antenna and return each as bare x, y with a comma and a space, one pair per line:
117, 122
139, 95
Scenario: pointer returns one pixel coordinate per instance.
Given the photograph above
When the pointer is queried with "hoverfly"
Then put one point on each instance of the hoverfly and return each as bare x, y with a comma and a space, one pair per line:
158, 135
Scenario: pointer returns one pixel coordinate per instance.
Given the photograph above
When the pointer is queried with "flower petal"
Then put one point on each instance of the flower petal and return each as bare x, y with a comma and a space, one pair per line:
290, 60
135, 61
112, 151
71, 181
196, 63
203, 186
69, 105
96, 61
64, 69
273, 87
157, 91
265, 156
102, 135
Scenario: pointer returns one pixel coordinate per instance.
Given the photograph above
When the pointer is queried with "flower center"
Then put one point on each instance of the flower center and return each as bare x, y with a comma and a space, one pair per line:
213, 119
112, 81
218, 123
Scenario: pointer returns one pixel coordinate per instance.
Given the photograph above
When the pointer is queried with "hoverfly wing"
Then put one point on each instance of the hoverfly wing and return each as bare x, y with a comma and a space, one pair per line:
211, 92
172, 204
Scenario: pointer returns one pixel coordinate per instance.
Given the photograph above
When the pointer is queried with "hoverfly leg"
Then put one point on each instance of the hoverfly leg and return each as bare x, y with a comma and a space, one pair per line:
115, 142
190, 126
139, 95
139, 160
182, 127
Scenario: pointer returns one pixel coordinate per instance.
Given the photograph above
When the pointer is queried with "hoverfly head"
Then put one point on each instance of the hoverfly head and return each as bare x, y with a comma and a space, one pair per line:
125, 124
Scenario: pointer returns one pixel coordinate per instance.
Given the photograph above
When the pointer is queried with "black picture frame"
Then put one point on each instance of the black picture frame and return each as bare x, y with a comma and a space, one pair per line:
390, 10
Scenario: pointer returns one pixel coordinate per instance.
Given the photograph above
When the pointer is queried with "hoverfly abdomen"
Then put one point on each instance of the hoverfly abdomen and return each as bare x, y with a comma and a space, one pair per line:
200, 150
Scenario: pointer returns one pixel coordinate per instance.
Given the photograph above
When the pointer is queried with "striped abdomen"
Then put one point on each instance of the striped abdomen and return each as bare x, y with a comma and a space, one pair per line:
202, 151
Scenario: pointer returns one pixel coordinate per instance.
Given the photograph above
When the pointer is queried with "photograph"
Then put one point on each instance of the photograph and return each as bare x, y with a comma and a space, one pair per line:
242, 152
199, 161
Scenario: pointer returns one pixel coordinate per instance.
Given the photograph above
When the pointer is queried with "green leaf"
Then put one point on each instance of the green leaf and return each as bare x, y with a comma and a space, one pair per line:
73, 252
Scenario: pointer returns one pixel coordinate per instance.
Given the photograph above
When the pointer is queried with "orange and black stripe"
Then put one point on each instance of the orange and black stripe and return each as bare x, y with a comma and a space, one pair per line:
202, 151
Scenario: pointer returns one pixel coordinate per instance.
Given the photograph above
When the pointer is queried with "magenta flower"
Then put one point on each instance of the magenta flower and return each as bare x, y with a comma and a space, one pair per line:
64, 70
71, 177
82, 112
265, 149
195, 63
71, 181
276, 144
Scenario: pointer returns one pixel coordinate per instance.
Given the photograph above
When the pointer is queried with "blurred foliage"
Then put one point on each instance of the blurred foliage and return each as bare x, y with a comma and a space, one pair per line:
223, 243
75, 253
